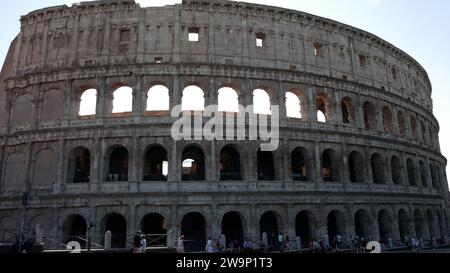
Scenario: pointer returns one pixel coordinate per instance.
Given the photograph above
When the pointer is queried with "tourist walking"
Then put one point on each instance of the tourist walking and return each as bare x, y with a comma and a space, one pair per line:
143, 244
180, 244
137, 242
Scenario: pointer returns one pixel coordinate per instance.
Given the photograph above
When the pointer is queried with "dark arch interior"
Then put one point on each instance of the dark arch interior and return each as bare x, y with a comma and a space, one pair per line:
356, 167
362, 224
194, 230
303, 228
230, 164
378, 171
334, 225
118, 165
193, 164
423, 174
403, 222
411, 172
117, 224
345, 113
329, 170
74, 229
396, 170
153, 226
419, 225
232, 228
269, 224
155, 160
299, 169
385, 226
266, 170
80, 166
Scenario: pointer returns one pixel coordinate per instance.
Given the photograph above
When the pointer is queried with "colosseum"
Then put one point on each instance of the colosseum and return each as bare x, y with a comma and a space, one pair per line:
85, 123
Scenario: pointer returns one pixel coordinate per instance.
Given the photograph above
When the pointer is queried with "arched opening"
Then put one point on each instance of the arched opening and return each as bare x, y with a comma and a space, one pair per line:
387, 119
431, 224
193, 227
413, 122
75, 229
404, 224
321, 109
156, 164
304, 226
330, 169
385, 226
117, 225
419, 224
433, 175
356, 166
396, 169
193, 164
232, 228
370, 118
299, 164
261, 102
122, 100
348, 111
265, 166
362, 224
193, 99
423, 174
118, 164
269, 224
88, 103
155, 230
401, 123
378, 169
158, 98
228, 100
411, 168
293, 106
79, 167
423, 129
230, 164
335, 225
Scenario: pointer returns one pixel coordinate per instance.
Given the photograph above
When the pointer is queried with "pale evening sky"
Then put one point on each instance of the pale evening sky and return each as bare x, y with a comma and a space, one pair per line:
420, 28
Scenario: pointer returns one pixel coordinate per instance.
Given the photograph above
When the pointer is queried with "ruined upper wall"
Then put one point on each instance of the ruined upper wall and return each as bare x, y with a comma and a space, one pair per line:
113, 32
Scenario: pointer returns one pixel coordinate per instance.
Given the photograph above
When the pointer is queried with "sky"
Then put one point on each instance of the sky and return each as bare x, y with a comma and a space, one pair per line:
418, 27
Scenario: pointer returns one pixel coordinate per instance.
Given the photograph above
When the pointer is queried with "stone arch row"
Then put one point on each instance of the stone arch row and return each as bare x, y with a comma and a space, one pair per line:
387, 226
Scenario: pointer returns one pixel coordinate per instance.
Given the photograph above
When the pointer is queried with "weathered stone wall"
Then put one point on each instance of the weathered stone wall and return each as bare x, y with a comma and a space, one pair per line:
62, 51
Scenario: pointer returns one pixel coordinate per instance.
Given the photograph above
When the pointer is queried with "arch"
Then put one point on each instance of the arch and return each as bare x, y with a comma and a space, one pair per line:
15, 179
79, 165
193, 227
396, 170
387, 119
122, 100
378, 169
356, 167
423, 174
53, 105
411, 168
118, 164
324, 113
45, 168
299, 163
117, 225
433, 175
230, 163
193, 99
265, 165
228, 100
330, 166
153, 225
22, 114
232, 227
158, 98
404, 225
268, 224
431, 225
74, 229
305, 223
413, 123
424, 132
261, 102
348, 111
335, 224
385, 226
156, 164
419, 224
370, 117
293, 106
88, 102
193, 164
401, 123
363, 224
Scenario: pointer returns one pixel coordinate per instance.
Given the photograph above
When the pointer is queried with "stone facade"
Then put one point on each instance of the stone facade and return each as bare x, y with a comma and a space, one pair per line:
376, 99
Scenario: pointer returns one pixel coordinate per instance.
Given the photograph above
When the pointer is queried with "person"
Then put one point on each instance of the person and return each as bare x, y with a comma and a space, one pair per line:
137, 242
180, 244
287, 243
143, 244
209, 245
280, 241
